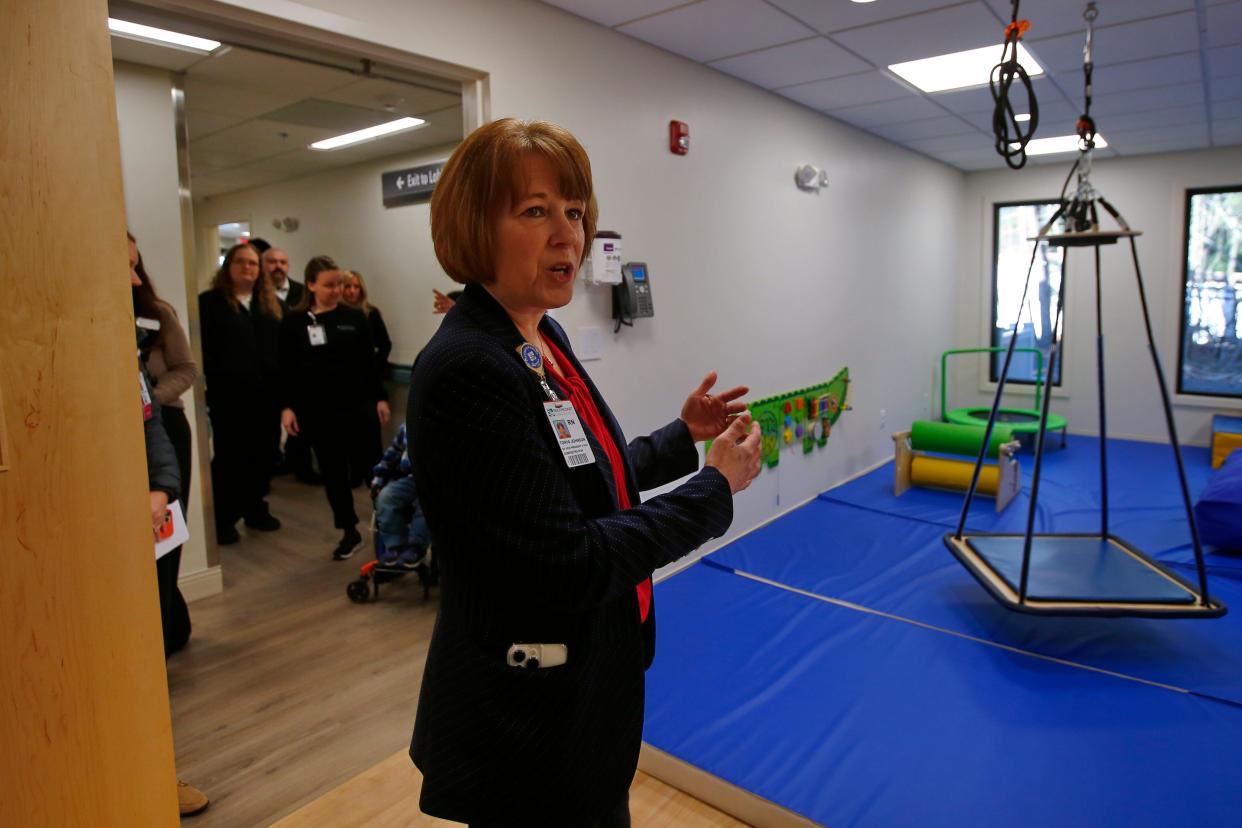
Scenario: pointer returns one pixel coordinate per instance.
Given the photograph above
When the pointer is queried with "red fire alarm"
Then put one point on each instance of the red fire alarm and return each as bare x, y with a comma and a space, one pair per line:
678, 137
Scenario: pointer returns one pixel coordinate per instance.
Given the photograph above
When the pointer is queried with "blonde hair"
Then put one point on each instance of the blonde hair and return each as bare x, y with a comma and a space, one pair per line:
484, 174
363, 305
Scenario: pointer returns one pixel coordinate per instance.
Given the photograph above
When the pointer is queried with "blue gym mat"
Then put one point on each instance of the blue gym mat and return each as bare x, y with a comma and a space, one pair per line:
850, 718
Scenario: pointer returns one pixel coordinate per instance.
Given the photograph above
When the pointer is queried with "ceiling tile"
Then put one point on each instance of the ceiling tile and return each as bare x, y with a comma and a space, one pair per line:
1055, 118
1225, 62
1159, 139
949, 143
1145, 120
888, 112
979, 99
218, 99
1055, 17
1140, 40
953, 29
400, 98
1224, 110
336, 117
1224, 25
259, 138
1143, 100
611, 13
244, 69
851, 90
835, 16
714, 29
1140, 74
201, 124
928, 128
1227, 133
807, 60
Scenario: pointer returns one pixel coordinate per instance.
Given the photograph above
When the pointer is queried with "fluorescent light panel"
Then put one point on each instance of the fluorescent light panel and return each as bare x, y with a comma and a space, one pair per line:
960, 69
152, 34
368, 134
1023, 118
1059, 143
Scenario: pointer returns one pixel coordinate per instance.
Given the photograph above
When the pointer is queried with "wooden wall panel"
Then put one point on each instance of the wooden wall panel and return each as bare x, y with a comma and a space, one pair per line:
84, 720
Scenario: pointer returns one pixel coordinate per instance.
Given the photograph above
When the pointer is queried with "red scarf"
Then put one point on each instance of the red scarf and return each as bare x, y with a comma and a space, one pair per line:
580, 396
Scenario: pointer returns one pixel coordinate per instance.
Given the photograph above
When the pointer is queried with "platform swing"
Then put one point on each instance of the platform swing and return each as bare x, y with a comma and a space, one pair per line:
1086, 573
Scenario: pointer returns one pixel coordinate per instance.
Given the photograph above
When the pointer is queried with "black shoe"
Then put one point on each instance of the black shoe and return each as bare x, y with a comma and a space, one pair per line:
310, 478
263, 523
227, 535
350, 543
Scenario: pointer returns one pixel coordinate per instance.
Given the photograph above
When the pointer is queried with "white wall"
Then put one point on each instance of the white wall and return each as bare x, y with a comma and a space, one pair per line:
341, 215
149, 168
1150, 193
774, 287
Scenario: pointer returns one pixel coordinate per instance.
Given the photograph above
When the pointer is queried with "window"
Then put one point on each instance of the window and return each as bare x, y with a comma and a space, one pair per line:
1014, 224
1210, 352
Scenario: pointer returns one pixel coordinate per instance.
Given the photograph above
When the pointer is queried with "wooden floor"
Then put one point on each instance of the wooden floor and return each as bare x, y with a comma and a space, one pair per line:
288, 691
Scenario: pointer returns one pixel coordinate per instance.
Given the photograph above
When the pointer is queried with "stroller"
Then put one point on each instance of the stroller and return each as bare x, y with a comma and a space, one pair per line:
397, 515
373, 573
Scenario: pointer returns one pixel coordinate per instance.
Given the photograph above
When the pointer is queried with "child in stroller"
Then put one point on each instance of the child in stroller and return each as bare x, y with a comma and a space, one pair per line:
401, 530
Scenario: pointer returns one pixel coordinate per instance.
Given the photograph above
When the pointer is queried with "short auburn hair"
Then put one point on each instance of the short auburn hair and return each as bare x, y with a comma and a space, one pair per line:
484, 175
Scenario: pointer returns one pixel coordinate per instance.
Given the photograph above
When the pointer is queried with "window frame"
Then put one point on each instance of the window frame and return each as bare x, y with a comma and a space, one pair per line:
1181, 394
992, 373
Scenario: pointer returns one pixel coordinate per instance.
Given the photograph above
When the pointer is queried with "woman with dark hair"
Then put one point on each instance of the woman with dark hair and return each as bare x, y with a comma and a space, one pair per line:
240, 321
330, 388
165, 352
534, 676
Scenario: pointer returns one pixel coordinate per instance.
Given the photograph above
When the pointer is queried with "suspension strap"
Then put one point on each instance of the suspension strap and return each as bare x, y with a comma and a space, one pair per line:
1012, 136
1086, 124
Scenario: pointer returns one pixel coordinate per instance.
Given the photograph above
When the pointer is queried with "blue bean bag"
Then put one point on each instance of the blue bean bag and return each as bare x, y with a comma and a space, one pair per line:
1219, 510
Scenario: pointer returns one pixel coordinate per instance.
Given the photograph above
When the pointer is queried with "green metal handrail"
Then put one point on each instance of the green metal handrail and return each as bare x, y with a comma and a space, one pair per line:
944, 359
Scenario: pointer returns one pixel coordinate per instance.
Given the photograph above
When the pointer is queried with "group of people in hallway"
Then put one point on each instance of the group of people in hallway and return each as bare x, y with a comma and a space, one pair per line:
305, 361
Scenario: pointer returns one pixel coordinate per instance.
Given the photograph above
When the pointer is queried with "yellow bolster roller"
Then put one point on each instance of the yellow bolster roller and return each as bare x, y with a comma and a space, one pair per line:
940, 473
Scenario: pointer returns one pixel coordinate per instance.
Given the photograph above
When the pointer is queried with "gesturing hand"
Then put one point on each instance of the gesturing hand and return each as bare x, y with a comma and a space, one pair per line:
735, 453
706, 414
440, 302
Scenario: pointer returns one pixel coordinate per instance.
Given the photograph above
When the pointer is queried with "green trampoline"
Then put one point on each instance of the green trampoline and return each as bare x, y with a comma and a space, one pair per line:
1024, 421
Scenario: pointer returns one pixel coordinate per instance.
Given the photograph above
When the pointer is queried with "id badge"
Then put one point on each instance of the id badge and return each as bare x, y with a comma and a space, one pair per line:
317, 335
570, 435
148, 409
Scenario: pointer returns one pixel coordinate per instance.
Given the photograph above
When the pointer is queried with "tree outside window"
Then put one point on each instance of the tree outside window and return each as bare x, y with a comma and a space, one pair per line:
1210, 354
1014, 224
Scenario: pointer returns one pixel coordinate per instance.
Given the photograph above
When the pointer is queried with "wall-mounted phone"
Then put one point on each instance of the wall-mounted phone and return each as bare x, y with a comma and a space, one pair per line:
632, 298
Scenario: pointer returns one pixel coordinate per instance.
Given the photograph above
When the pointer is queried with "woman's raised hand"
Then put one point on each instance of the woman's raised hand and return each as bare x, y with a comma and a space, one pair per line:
735, 453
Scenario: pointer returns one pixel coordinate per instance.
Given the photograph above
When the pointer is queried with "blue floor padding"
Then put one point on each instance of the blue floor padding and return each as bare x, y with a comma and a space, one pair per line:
856, 720
900, 566
1077, 569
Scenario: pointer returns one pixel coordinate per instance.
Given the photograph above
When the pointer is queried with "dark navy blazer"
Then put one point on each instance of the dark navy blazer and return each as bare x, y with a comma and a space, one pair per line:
531, 551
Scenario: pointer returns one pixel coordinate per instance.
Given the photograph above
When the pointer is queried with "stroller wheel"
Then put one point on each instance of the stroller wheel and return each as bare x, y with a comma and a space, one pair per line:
358, 591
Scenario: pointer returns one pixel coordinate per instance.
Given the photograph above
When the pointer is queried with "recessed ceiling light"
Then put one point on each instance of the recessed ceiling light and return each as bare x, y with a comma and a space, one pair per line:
1023, 118
960, 69
862, 1
150, 34
1059, 143
368, 134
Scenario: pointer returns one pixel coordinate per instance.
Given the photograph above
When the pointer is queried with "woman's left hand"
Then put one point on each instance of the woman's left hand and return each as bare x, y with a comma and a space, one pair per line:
381, 408
707, 415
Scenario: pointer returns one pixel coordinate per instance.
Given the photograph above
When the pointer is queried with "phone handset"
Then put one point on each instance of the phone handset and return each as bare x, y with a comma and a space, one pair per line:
632, 298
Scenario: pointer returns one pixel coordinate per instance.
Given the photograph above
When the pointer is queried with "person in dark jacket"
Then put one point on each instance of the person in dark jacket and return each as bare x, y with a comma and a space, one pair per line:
240, 322
531, 707
330, 389
296, 456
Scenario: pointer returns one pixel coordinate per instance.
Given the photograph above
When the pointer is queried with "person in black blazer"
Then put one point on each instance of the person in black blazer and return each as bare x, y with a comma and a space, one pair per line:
296, 456
239, 320
531, 707
330, 389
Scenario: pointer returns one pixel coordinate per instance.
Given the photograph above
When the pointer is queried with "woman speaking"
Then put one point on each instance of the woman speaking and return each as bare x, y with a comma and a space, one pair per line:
531, 708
